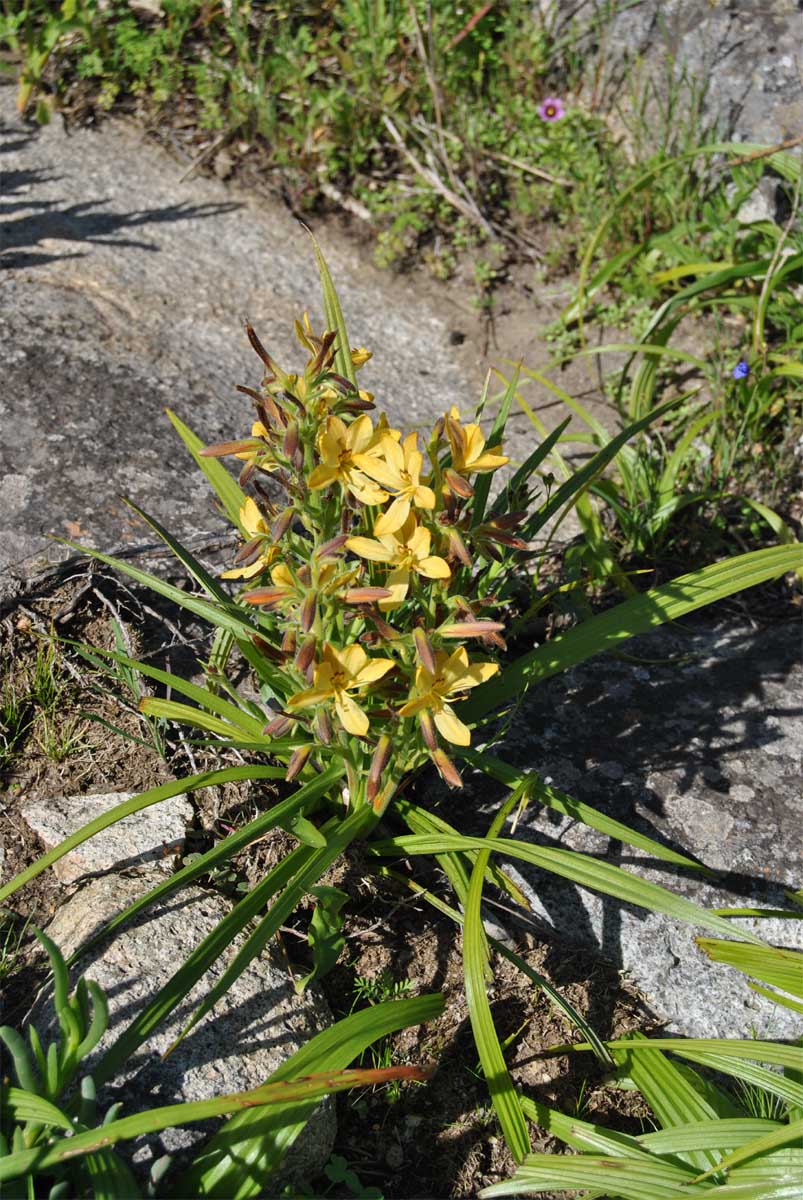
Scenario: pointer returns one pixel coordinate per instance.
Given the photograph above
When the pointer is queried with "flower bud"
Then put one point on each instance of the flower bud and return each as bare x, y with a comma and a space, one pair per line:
457, 548
268, 651
289, 641
446, 769
332, 547
268, 597
306, 654
459, 485
221, 449
423, 647
298, 760
259, 348
249, 552
323, 727
366, 595
378, 764
309, 611
427, 726
282, 523
279, 726
464, 629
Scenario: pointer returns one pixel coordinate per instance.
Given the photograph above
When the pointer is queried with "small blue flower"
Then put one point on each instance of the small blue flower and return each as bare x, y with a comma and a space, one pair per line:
741, 370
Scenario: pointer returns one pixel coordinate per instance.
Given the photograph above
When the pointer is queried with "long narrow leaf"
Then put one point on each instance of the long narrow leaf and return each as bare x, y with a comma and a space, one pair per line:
237, 1161
176, 787
580, 869
633, 616
226, 488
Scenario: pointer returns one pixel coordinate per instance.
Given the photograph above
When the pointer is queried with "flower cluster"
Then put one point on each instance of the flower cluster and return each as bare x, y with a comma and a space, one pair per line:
359, 557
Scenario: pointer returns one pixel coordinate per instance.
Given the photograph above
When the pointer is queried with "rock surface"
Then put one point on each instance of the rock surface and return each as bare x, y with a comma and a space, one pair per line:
699, 747
124, 291
747, 55
251, 1031
152, 836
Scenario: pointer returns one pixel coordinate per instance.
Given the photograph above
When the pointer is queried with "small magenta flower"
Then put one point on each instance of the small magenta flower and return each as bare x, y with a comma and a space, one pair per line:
741, 370
551, 109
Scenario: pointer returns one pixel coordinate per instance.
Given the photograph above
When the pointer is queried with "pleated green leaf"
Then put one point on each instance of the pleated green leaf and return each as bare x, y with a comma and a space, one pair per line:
283, 1093
781, 968
475, 961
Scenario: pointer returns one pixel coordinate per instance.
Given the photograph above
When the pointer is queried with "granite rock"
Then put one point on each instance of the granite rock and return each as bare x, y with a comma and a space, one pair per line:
698, 746
258, 1023
152, 836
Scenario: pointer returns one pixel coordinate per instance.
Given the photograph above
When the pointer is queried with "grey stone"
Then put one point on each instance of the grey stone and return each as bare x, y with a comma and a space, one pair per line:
151, 836
748, 54
124, 291
251, 1031
730, 796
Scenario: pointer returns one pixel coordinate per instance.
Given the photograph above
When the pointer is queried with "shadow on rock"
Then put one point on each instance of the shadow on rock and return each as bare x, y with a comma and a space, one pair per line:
43, 221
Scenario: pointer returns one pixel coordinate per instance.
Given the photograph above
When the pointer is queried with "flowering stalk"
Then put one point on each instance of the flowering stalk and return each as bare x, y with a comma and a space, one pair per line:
365, 526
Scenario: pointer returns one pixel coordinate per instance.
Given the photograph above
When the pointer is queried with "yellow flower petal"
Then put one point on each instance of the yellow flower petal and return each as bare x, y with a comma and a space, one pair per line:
374, 669
397, 582
351, 716
451, 727
433, 567
368, 548
393, 518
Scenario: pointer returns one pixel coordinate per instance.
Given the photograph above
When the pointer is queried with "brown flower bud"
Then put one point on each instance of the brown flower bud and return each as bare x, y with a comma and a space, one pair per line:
366, 595
378, 764
249, 552
298, 760
459, 485
464, 629
323, 726
457, 548
268, 597
221, 449
259, 348
423, 647
306, 654
309, 611
279, 726
446, 769
333, 547
289, 641
282, 523
427, 726
246, 472
268, 651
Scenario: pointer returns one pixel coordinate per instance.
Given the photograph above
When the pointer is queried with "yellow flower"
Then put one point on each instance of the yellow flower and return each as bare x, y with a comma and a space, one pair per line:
405, 551
453, 673
254, 524
342, 671
399, 470
339, 446
468, 447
